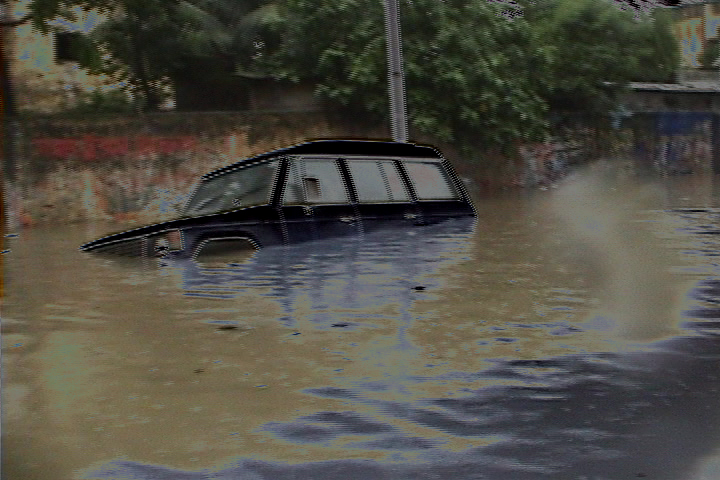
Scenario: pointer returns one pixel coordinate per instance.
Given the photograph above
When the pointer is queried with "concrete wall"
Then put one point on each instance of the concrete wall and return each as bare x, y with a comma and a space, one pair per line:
672, 101
674, 142
128, 168
141, 169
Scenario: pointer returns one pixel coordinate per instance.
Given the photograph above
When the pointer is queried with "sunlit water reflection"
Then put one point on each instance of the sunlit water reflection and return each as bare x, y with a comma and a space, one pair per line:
568, 334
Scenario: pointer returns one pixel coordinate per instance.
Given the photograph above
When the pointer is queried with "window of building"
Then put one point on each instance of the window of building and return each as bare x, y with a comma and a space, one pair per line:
67, 46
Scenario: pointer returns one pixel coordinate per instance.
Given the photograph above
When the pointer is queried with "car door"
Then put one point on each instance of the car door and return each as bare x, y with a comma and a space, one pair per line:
383, 198
316, 201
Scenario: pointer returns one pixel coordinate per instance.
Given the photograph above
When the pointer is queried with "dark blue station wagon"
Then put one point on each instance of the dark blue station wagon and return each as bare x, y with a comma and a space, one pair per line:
314, 190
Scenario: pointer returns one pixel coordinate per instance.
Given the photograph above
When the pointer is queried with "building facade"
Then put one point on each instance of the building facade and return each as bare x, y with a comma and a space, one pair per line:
44, 82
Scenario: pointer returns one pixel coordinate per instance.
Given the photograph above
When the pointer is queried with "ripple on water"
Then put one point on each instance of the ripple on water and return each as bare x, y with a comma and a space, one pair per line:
505, 399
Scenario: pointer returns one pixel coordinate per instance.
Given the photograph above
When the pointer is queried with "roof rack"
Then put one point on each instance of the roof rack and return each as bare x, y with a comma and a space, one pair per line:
337, 147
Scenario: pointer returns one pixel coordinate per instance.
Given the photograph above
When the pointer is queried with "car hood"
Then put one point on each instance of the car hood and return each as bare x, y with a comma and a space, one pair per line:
246, 214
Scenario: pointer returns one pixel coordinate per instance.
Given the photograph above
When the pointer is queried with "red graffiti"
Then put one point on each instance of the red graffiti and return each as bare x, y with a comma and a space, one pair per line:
63, 148
114, 146
91, 147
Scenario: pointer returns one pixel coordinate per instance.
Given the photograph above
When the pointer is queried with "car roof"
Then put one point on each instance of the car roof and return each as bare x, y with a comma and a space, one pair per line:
337, 147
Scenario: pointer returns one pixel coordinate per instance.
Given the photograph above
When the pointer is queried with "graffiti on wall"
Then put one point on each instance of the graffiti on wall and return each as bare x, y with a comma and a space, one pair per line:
700, 24
712, 23
118, 175
93, 147
114, 177
683, 153
542, 163
674, 142
684, 142
691, 34
123, 178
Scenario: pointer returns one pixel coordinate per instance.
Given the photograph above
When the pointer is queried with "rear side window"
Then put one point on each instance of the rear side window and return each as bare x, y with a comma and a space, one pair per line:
430, 181
314, 181
377, 181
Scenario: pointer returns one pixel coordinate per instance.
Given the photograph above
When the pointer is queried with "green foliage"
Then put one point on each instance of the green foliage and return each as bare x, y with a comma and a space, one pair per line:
143, 45
98, 101
151, 43
595, 43
464, 65
658, 49
473, 76
476, 72
43, 11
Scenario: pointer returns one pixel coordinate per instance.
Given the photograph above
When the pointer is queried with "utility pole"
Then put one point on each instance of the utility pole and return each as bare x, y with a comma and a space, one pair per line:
398, 111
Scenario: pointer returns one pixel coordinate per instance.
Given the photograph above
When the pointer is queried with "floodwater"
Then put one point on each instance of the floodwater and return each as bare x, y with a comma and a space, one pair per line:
570, 333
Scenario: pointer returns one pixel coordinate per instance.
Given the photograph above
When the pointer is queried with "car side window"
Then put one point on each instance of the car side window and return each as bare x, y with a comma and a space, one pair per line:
242, 188
377, 181
430, 180
314, 181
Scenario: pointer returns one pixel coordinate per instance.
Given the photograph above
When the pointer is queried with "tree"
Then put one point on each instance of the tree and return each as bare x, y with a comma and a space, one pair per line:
221, 45
474, 69
145, 42
43, 12
40, 12
599, 48
658, 50
465, 65
154, 44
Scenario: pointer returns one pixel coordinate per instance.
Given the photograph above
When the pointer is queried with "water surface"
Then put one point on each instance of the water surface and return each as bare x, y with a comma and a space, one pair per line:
570, 333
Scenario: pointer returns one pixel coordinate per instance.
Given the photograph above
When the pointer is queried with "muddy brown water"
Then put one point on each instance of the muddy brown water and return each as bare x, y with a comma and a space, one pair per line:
569, 333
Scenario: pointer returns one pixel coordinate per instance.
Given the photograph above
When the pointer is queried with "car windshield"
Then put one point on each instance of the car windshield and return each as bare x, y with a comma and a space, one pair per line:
241, 188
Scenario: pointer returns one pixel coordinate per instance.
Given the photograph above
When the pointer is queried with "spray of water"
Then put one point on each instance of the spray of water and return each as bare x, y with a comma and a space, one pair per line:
604, 214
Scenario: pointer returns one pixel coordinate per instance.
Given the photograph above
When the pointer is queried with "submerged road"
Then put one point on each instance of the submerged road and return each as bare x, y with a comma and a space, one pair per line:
567, 334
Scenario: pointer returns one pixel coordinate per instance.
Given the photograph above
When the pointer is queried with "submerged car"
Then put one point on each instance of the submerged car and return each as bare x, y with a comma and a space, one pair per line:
313, 190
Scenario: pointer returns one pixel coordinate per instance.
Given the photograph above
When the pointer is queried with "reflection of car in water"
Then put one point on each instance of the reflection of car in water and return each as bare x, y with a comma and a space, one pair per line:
309, 191
335, 280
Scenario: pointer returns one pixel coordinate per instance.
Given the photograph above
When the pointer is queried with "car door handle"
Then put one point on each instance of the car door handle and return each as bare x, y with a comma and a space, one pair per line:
347, 219
410, 216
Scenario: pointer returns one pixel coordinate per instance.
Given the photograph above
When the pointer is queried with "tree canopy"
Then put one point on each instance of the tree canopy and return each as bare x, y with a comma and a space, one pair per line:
476, 71
595, 43
154, 44
465, 64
